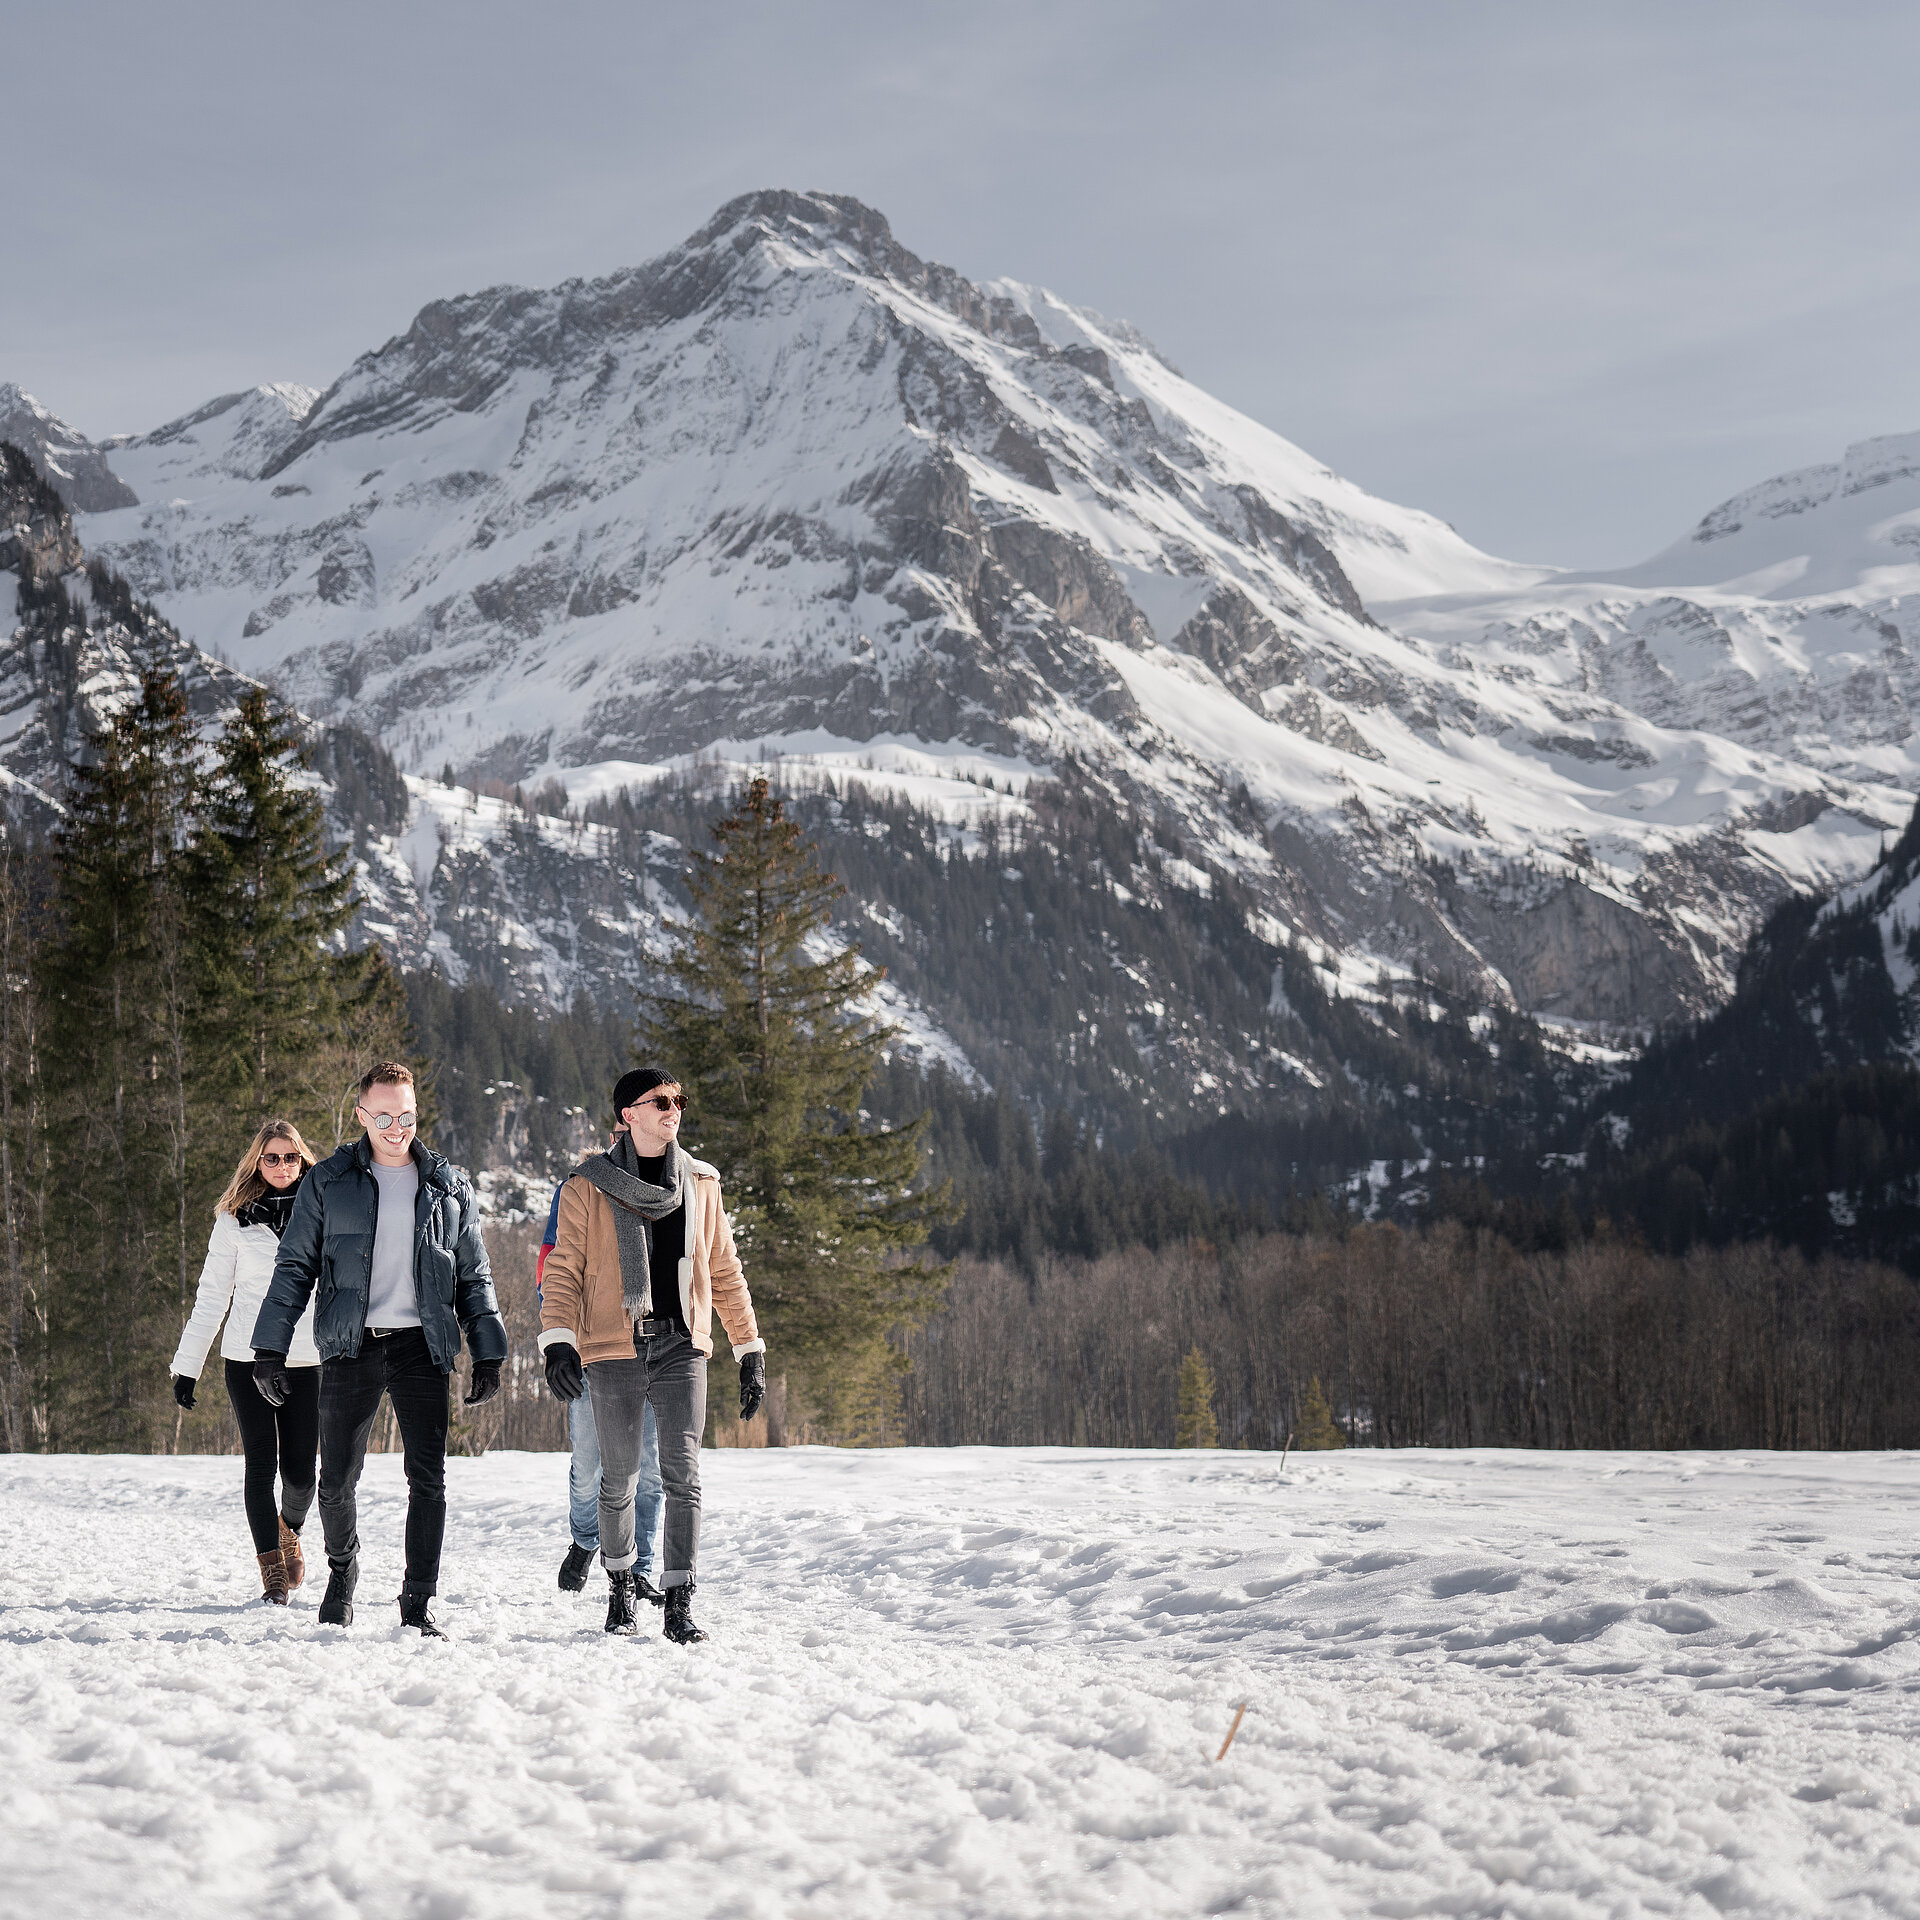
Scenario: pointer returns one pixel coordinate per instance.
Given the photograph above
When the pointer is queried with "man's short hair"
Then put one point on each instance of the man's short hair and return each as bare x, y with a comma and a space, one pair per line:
392, 1073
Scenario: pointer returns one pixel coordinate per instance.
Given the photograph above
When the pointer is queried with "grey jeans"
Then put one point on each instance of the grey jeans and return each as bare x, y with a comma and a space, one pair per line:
669, 1374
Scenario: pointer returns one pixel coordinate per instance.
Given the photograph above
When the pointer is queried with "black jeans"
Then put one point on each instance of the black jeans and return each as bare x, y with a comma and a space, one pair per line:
276, 1439
399, 1365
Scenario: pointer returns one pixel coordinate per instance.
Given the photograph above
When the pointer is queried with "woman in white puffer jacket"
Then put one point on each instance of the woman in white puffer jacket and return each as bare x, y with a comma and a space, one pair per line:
247, 1225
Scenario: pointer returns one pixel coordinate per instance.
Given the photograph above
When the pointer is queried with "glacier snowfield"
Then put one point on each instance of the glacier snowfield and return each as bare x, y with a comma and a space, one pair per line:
993, 1683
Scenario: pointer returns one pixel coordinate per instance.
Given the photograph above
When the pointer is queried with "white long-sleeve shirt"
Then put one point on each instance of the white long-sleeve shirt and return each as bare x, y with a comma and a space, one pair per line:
234, 1282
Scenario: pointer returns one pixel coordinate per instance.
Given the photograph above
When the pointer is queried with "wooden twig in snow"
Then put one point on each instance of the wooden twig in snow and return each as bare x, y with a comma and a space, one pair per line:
1231, 1731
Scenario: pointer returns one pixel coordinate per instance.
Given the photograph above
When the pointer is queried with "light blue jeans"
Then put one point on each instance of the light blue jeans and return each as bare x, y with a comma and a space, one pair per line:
583, 1484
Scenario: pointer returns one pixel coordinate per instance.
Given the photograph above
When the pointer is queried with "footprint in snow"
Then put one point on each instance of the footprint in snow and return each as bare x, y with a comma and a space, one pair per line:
1449, 1586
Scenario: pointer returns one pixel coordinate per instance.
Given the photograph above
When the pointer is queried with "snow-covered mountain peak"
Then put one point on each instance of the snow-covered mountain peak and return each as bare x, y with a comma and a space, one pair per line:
77, 468
1836, 528
1874, 463
792, 488
233, 437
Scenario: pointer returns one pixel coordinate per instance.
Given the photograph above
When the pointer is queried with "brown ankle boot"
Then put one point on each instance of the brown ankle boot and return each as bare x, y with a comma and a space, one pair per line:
296, 1561
273, 1577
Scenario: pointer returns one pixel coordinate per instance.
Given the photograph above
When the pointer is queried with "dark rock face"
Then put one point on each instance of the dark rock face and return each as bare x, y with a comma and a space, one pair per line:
1070, 580
1303, 552
1577, 949
345, 576
1242, 646
36, 532
1020, 456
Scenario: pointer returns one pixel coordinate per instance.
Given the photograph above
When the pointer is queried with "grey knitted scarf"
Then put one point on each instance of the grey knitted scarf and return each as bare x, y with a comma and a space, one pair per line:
635, 1202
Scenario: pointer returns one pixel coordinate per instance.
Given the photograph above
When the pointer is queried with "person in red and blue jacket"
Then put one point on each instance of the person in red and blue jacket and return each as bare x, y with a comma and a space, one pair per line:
583, 1476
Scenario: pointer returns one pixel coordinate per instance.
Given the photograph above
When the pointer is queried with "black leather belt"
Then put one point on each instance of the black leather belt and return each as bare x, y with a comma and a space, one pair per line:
653, 1328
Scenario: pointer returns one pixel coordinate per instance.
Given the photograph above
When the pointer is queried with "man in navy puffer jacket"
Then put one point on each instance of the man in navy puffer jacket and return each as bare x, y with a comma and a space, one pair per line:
389, 1234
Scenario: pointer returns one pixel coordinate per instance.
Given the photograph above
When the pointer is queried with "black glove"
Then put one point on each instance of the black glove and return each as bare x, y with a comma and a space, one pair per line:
563, 1372
753, 1384
270, 1376
486, 1383
183, 1392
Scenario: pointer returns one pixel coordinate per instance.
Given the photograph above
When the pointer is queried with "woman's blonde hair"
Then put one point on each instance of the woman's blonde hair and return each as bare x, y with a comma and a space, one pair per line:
248, 1182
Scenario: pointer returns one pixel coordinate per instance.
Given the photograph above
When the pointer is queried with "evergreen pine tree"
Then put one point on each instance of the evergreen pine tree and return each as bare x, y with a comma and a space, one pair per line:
775, 1049
117, 992
1317, 1432
23, 1153
268, 899
371, 1023
1195, 1425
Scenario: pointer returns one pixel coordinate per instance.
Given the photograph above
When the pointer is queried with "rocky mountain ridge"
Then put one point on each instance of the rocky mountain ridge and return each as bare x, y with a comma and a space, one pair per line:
1043, 940
790, 491
465, 882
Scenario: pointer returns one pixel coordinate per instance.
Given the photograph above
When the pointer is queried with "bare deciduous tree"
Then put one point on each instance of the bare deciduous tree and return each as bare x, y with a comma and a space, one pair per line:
1435, 1338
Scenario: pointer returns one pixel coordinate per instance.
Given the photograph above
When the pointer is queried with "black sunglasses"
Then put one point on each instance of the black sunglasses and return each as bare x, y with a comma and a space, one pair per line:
666, 1102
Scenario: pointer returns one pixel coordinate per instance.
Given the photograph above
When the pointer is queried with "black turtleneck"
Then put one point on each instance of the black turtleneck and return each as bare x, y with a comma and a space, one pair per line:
666, 1245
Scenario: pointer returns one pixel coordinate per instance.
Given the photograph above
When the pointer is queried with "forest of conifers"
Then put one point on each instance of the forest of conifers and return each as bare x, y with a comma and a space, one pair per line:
173, 974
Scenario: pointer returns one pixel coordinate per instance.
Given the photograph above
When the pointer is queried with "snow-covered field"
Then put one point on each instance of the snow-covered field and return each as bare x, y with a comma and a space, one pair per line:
990, 1683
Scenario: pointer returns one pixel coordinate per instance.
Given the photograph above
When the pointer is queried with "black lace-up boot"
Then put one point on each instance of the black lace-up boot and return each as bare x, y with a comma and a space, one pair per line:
680, 1628
336, 1605
622, 1602
575, 1568
413, 1613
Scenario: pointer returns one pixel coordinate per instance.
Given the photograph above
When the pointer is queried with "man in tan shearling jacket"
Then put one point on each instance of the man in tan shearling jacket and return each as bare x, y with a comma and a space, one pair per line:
643, 1257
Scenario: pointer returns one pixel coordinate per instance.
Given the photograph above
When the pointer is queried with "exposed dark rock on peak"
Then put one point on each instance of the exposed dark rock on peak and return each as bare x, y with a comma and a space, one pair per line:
1303, 552
36, 531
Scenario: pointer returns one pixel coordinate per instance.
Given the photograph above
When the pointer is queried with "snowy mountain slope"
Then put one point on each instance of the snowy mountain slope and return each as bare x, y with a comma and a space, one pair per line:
230, 438
790, 487
73, 643
1786, 624
470, 884
1846, 528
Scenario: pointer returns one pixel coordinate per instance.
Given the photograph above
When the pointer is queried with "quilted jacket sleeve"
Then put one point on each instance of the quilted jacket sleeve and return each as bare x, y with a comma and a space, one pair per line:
211, 1301
473, 1296
296, 1270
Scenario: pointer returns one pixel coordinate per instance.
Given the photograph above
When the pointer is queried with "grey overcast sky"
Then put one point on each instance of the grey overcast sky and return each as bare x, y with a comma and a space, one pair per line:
1565, 274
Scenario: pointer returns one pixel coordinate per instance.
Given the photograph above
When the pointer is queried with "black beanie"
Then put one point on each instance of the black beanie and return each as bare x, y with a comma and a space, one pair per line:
636, 1083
